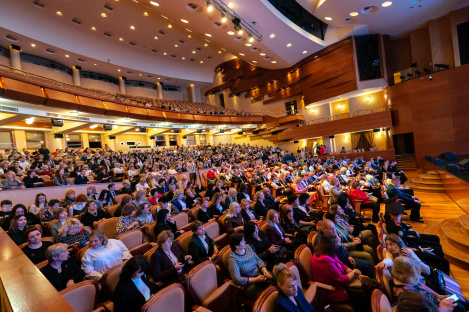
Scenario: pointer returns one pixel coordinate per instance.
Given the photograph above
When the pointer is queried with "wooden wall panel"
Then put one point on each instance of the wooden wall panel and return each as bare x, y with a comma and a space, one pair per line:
400, 54
61, 100
420, 47
114, 109
92, 106
23, 91
441, 41
459, 92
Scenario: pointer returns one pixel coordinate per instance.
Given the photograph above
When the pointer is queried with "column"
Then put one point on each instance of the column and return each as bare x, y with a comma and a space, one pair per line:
15, 58
76, 75
192, 97
122, 85
160, 90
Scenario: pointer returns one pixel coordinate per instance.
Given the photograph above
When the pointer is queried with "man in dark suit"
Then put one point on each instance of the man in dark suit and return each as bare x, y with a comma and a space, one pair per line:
411, 202
201, 246
269, 200
81, 178
113, 192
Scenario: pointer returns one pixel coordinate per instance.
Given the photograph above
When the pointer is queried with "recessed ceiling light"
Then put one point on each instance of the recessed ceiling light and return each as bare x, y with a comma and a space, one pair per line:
164, 17
240, 32
251, 39
95, 64
59, 13
231, 33
132, 27
201, 62
165, 53
156, 38
230, 5
145, 13
154, 3
248, 44
103, 15
184, 21
241, 54
210, 8
386, 4
219, 52
272, 36
354, 14
66, 55
193, 52
159, 78
93, 28
328, 18
254, 61
121, 39
262, 54
118, 70
208, 35
188, 30
304, 52
205, 45
288, 45
189, 36
273, 62
33, 45
170, 26
183, 58
176, 46
74, 113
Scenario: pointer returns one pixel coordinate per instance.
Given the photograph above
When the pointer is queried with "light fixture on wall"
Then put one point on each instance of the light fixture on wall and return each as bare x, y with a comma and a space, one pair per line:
368, 99
114, 126
29, 120
93, 126
314, 111
346, 138
380, 133
340, 106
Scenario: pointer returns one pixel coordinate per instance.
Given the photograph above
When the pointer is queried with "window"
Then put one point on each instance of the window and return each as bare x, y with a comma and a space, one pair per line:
94, 140
191, 140
291, 108
160, 140
6, 139
203, 139
73, 140
34, 139
173, 140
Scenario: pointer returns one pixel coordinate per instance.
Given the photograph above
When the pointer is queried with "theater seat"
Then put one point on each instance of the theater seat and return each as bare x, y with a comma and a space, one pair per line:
82, 296
118, 198
266, 301
108, 226
133, 240
379, 302
202, 286
182, 221
183, 242
212, 229
383, 277
149, 230
170, 298
109, 282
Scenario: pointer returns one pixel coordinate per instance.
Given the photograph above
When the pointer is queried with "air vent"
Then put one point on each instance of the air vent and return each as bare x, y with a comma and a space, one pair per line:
133, 43
10, 109
11, 38
81, 60
83, 118
193, 7
370, 9
50, 51
192, 60
108, 34
40, 4
209, 57
182, 41
129, 73
239, 38
219, 25
200, 49
154, 51
149, 77
109, 7
77, 21
173, 55
161, 32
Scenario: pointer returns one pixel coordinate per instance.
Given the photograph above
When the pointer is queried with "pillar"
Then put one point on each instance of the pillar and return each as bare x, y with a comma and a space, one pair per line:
76, 76
122, 85
160, 90
15, 58
192, 97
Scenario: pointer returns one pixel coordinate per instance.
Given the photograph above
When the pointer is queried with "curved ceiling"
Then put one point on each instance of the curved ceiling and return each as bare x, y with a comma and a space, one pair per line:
190, 44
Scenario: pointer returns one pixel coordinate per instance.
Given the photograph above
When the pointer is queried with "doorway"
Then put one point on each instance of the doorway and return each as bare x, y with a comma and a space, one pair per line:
404, 143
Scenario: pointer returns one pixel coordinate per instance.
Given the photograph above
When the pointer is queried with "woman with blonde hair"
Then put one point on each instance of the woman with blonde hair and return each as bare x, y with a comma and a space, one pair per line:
234, 221
70, 197
290, 297
12, 182
140, 198
91, 192
231, 197
178, 200
142, 185
73, 234
102, 254
274, 230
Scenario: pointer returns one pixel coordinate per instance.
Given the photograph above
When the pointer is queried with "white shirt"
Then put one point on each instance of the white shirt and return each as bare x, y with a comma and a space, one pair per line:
202, 238
140, 187
97, 261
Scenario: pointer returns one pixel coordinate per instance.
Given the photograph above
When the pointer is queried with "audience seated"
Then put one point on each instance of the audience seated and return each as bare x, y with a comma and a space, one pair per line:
73, 234
275, 232
19, 210
35, 250
201, 246
143, 214
60, 216
164, 222
93, 216
18, 227
126, 221
234, 221
261, 244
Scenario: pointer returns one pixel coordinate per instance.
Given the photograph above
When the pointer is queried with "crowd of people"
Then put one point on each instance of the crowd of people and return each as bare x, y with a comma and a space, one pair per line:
264, 230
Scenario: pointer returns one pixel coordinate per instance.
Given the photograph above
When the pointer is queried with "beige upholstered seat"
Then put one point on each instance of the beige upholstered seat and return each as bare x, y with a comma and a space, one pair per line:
111, 209
181, 219
82, 296
379, 302
149, 230
133, 240
266, 301
202, 286
212, 229
383, 277
108, 226
111, 278
183, 242
170, 298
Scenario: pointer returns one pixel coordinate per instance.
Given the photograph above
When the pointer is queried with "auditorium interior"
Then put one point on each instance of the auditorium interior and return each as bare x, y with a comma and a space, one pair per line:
327, 81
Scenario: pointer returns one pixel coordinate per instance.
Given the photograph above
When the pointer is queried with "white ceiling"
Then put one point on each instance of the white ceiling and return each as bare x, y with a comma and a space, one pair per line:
46, 29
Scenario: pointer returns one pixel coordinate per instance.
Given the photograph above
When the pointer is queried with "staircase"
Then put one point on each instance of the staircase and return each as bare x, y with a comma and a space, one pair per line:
406, 162
429, 182
453, 234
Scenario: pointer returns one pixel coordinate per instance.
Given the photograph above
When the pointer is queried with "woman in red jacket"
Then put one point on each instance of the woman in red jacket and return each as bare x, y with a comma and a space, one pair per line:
357, 194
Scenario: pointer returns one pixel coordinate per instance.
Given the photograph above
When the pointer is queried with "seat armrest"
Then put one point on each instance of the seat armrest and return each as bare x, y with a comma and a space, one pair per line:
221, 240
185, 228
322, 285
219, 296
197, 308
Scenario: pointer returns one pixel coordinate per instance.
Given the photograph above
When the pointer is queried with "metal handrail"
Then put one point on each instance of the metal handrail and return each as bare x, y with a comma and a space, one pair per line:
347, 115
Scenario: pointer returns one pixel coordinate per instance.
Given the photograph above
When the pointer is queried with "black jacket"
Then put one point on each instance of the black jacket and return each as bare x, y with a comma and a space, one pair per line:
127, 298
197, 249
79, 179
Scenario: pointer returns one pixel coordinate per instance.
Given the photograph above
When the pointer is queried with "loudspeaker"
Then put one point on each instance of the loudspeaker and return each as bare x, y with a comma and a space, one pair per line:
199, 130
464, 163
107, 127
240, 133
16, 47
376, 130
296, 142
184, 137
447, 156
453, 169
112, 137
78, 67
58, 136
142, 129
152, 137
222, 131
57, 122
331, 136
176, 130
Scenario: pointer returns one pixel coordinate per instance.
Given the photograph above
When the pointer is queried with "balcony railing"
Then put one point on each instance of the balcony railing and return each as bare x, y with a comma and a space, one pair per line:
347, 115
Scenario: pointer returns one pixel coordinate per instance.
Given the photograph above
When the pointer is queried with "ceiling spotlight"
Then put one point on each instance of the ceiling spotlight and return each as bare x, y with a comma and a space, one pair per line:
189, 36
230, 5
121, 39
156, 38
251, 38
118, 70
163, 54
175, 45
242, 54
201, 62
231, 33
223, 18
29, 120
254, 61
368, 99
170, 26
205, 45
304, 52
132, 27
103, 15
273, 62
93, 28
183, 58
328, 18
288, 45
33, 45
114, 126
59, 13
219, 52
248, 44
193, 52
262, 54
184, 21
208, 35
209, 7
240, 32
145, 13
386, 4
93, 126
272, 36
354, 14
154, 3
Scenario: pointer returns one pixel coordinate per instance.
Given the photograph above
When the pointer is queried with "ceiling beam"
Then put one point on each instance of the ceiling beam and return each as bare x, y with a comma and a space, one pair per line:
152, 132
6, 119
121, 130
71, 126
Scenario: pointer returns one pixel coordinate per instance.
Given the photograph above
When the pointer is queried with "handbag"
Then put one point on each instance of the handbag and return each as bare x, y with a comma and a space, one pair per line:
373, 198
436, 281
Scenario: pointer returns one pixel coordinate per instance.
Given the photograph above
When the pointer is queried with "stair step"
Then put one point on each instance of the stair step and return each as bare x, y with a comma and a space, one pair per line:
452, 253
464, 221
433, 173
433, 189
430, 182
427, 177
456, 233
